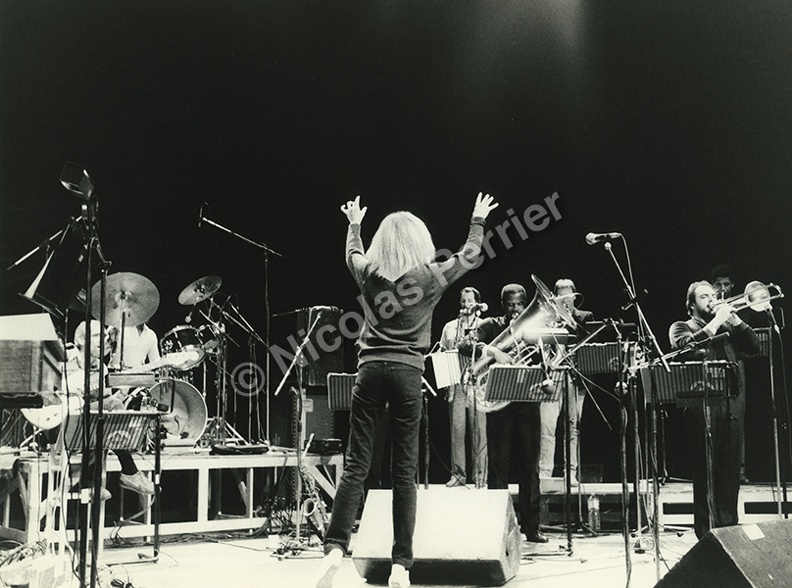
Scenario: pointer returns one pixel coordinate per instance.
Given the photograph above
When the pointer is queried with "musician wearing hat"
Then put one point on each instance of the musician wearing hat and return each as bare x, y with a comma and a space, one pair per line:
718, 334
513, 431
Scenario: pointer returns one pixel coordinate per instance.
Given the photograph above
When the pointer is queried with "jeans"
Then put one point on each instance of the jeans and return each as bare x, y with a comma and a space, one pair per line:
378, 383
551, 411
513, 435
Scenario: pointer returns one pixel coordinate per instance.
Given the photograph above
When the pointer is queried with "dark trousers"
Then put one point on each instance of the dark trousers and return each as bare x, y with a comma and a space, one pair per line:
727, 434
399, 386
514, 435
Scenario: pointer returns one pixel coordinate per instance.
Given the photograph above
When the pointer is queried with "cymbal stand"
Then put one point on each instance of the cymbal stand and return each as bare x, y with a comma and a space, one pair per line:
220, 431
253, 338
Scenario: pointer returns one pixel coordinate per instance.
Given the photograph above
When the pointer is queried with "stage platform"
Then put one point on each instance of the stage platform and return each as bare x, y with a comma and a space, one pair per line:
757, 502
26, 481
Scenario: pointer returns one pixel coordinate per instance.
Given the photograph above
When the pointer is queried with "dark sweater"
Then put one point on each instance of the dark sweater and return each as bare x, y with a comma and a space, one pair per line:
741, 339
398, 315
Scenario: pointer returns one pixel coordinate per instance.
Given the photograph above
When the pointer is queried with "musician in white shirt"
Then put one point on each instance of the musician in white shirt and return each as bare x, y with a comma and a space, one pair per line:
460, 411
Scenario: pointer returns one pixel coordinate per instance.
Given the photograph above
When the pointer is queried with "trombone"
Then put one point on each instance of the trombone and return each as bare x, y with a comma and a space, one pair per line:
757, 296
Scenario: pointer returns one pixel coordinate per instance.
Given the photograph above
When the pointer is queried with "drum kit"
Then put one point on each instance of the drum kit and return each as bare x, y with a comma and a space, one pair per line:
130, 301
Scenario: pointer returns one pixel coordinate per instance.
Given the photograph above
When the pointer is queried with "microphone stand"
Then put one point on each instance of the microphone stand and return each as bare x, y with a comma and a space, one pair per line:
623, 452
45, 244
94, 248
426, 429
646, 330
298, 417
780, 482
267, 252
478, 482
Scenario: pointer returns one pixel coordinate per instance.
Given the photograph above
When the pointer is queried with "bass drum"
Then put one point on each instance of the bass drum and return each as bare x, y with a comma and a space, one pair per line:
186, 416
180, 339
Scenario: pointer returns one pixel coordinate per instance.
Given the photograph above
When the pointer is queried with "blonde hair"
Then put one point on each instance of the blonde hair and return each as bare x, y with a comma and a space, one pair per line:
401, 243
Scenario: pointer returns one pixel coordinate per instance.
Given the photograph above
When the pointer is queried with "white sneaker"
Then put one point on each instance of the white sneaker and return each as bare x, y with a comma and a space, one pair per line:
104, 494
327, 571
136, 482
399, 578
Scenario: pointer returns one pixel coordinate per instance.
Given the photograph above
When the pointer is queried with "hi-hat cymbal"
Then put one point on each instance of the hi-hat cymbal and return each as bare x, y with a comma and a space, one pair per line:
200, 290
127, 295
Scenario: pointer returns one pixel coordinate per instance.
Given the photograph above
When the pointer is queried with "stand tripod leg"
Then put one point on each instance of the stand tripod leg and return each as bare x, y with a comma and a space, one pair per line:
708, 463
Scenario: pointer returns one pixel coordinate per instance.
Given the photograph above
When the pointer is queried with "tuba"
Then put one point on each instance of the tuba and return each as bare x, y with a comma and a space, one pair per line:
544, 318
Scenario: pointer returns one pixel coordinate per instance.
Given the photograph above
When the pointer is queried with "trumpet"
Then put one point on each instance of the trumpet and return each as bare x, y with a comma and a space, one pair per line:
757, 296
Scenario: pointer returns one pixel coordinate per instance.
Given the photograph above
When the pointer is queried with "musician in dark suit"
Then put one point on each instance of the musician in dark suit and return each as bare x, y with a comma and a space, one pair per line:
512, 431
565, 294
709, 318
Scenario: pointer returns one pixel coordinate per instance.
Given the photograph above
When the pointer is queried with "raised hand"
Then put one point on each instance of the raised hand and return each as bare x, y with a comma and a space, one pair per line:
484, 204
353, 211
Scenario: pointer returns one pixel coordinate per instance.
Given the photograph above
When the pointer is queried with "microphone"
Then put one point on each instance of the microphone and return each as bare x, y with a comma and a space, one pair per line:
772, 319
592, 238
76, 179
326, 308
717, 337
188, 318
200, 215
477, 307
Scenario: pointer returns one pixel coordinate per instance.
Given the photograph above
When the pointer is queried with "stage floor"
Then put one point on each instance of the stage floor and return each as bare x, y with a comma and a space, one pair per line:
228, 561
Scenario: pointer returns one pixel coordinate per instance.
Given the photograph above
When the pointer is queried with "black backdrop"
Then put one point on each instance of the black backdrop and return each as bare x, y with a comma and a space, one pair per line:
671, 123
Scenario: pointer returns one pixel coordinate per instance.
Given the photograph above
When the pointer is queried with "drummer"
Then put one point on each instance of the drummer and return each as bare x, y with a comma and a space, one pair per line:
131, 478
140, 346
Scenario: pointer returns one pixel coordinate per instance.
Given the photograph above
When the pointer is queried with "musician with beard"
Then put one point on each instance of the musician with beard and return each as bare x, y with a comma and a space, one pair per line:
513, 432
708, 319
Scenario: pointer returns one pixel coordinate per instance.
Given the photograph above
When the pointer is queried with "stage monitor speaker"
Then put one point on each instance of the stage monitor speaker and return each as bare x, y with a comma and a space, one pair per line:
461, 537
750, 556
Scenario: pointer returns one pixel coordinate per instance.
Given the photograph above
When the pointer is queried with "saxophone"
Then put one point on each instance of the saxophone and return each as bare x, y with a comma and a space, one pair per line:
313, 506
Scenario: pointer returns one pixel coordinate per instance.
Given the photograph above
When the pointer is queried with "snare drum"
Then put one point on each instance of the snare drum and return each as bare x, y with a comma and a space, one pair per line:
183, 338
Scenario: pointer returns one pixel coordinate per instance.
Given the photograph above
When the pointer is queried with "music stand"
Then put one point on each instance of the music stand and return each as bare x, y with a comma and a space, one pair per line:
123, 430
597, 358
522, 383
448, 367
339, 390
59, 285
691, 384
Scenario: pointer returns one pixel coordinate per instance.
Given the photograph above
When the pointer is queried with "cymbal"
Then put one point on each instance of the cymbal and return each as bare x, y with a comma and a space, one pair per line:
200, 290
127, 294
